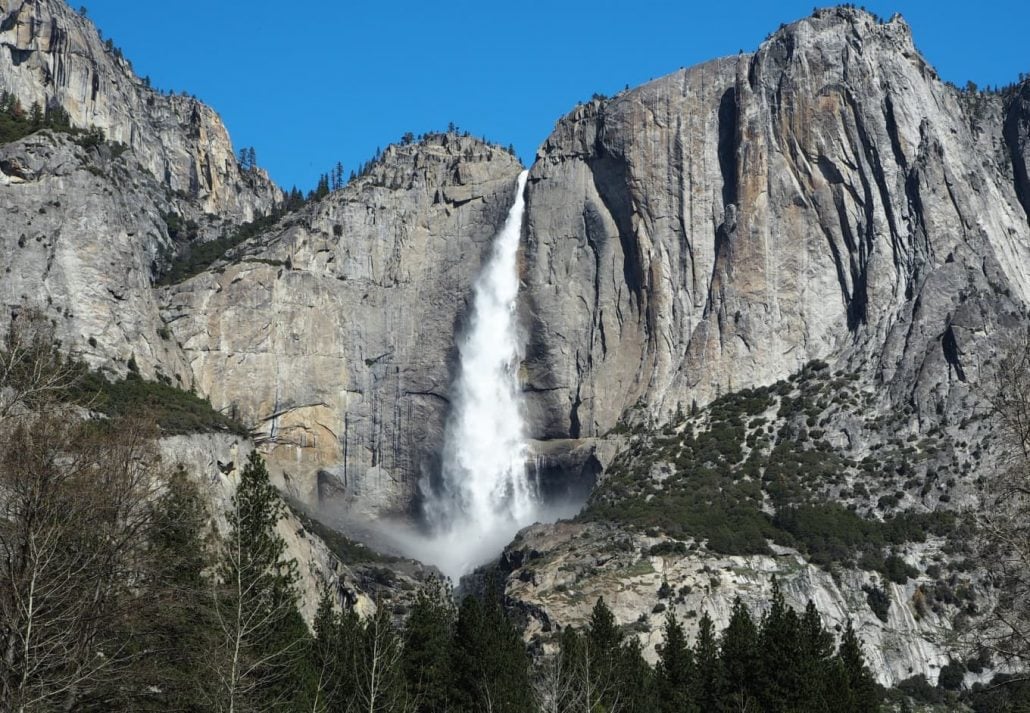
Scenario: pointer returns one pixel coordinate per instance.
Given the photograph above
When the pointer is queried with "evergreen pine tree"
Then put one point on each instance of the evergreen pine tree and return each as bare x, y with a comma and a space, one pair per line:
780, 678
857, 691
332, 656
604, 635
262, 635
707, 667
36, 115
816, 653
675, 670
427, 637
490, 664
604, 648
636, 680
178, 617
739, 657
294, 200
322, 190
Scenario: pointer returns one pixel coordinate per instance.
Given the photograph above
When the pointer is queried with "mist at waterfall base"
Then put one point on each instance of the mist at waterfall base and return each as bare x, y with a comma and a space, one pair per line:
484, 494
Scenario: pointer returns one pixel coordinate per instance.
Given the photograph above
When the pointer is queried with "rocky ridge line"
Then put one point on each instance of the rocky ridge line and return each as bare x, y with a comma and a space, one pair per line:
55, 57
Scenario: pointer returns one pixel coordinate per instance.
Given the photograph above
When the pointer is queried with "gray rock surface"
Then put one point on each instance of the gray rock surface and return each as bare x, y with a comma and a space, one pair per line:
80, 233
825, 197
334, 334
216, 461
84, 230
563, 569
53, 56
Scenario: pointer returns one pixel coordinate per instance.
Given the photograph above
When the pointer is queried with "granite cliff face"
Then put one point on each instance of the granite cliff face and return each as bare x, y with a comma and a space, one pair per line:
85, 228
81, 232
334, 333
825, 197
52, 56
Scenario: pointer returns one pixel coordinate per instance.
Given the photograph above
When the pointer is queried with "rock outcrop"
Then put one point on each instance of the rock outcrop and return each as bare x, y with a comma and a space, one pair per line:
85, 228
564, 568
334, 334
825, 197
216, 461
54, 57
82, 230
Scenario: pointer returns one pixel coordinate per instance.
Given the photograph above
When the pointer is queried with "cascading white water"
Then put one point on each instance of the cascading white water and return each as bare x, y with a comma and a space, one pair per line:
484, 496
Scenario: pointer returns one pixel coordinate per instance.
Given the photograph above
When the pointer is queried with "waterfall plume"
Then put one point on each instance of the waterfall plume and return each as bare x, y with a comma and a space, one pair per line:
484, 494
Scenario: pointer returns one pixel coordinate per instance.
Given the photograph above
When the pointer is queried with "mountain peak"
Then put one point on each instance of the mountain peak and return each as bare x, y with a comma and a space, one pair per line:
55, 58
438, 159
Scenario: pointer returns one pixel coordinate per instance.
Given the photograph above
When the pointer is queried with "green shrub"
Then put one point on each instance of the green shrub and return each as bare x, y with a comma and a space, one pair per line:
175, 411
716, 496
951, 677
919, 688
17, 123
878, 601
897, 570
196, 258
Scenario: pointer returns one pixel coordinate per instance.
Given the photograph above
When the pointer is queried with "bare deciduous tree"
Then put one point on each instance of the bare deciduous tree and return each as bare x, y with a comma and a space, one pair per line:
73, 515
576, 681
1004, 516
379, 684
32, 370
553, 686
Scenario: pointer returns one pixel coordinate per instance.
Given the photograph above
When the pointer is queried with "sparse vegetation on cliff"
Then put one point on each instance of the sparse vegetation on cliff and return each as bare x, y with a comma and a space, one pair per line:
194, 257
16, 122
174, 410
754, 467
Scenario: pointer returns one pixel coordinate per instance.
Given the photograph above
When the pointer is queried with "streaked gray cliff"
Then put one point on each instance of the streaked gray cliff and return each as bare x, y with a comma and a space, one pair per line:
53, 56
825, 197
334, 333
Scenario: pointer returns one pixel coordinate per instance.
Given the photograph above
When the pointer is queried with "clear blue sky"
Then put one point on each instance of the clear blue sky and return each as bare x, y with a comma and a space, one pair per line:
312, 82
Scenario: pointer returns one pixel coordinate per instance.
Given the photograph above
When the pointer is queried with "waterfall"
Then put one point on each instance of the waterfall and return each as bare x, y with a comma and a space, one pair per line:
484, 495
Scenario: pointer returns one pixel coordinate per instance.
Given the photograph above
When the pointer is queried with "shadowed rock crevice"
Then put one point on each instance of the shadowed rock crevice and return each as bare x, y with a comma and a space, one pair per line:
951, 352
728, 140
611, 181
1017, 138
